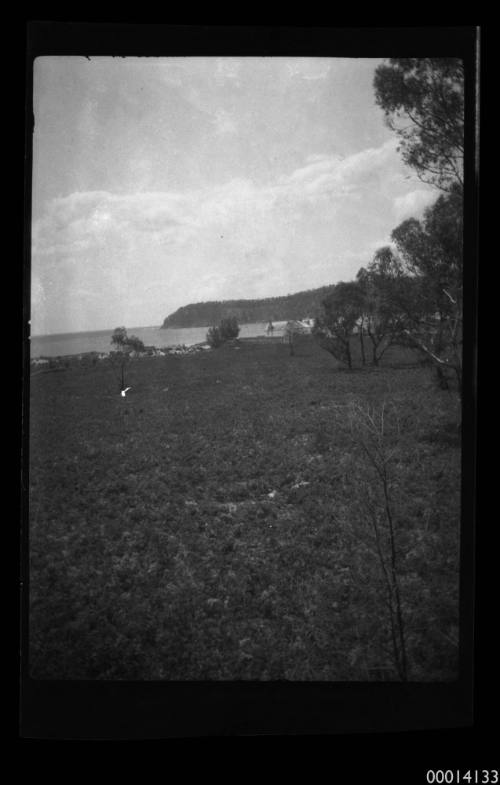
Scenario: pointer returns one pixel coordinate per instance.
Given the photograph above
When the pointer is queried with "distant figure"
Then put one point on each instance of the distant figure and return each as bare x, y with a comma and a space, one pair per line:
270, 328
125, 391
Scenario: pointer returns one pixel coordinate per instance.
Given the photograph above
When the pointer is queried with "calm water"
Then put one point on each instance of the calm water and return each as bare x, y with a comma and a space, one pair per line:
100, 341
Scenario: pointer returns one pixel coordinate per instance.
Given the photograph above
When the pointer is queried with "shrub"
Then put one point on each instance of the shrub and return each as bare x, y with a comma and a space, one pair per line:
214, 337
126, 343
136, 344
229, 328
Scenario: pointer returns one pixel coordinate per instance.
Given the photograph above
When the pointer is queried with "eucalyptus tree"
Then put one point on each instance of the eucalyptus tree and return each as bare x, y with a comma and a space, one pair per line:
340, 315
124, 346
383, 317
423, 102
431, 250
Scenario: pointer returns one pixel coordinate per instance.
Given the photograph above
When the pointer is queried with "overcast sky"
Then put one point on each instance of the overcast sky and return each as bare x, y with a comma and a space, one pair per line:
161, 182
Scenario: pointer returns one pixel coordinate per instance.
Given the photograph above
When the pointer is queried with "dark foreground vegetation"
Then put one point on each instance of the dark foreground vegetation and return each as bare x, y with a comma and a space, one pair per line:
245, 514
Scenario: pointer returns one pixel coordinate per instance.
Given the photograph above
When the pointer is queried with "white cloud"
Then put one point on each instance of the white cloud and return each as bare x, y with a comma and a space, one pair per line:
413, 204
343, 175
224, 123
310, 69
144, 254
315, 157
81, 221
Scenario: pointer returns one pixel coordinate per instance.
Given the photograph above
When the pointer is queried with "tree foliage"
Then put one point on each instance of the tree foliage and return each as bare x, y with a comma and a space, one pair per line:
214, 337
431, 250
413, 289
292, 306
340, 313
383, 286
227, 330
433, 247
124, 345
423, 101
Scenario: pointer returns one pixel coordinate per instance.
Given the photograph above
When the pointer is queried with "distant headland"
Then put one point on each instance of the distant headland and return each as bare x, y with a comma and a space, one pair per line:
300, 305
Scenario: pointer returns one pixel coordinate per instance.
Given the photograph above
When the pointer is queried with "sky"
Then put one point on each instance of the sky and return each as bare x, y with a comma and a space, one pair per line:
159, 182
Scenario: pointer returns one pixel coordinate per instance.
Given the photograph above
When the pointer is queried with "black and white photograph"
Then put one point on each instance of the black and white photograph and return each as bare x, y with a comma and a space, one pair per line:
246, 368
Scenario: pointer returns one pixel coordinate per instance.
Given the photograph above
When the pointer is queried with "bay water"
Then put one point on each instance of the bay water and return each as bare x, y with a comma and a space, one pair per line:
64, 344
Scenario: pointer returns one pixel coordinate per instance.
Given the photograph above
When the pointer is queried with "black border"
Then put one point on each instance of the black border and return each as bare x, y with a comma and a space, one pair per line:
151, 710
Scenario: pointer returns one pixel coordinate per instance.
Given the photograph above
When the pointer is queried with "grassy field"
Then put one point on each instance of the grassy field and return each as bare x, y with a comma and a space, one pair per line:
217, 523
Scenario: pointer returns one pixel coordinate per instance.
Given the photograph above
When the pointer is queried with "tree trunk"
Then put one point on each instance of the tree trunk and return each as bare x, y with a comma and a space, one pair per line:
438, 350
348, 355
374, 346
363, 357
441, 378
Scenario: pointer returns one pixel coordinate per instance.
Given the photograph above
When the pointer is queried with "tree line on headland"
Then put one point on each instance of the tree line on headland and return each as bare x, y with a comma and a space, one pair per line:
293, 306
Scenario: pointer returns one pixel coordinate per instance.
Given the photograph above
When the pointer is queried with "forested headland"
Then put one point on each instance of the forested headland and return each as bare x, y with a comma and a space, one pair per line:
301, 305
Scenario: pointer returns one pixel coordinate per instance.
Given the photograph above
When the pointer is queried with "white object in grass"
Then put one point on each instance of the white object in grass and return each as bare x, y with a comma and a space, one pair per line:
125, 391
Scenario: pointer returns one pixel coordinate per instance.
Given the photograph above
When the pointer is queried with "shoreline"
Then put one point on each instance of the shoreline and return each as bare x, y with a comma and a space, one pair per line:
166, 343
151, 351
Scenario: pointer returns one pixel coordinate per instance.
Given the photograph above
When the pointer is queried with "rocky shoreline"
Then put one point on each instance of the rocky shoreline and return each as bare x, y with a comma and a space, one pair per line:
61, 362
92, 358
